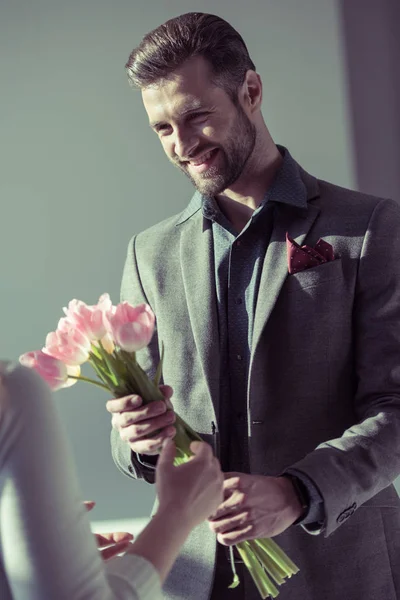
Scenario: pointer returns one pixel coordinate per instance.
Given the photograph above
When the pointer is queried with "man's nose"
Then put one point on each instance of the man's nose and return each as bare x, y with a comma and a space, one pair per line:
184, 144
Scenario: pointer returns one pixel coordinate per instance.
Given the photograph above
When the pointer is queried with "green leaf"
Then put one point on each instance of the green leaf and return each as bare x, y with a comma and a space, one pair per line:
235, 582
88, 380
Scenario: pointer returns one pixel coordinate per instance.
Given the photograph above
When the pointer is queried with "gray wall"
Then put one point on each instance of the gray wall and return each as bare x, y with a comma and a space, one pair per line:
80, 171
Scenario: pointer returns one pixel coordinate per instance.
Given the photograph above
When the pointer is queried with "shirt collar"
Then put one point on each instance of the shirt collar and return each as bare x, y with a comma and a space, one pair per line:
287, 188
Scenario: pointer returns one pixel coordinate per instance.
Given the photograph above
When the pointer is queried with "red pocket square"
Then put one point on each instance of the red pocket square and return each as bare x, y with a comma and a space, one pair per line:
301, 258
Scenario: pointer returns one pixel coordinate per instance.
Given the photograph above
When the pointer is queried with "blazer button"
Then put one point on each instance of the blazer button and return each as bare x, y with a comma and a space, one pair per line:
343, 516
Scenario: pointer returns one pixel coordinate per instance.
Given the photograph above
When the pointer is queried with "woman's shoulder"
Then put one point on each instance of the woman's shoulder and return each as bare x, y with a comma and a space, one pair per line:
15, 376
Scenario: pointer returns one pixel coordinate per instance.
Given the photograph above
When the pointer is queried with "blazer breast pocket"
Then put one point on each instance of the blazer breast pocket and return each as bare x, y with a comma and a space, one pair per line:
315, 276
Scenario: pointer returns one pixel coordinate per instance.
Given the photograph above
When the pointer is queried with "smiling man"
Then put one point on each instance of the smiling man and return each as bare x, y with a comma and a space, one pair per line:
277, 299
215, 137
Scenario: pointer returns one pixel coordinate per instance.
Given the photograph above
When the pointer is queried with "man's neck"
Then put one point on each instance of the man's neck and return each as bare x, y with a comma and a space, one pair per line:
240, 201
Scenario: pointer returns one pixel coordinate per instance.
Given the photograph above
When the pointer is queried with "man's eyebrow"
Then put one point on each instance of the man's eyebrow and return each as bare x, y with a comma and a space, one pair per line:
191, 106
155, 124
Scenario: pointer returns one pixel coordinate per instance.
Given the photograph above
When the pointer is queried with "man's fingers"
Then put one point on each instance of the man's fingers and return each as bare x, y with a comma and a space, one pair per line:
236, 536
152, 446
229, 506
147, 412
232, 475
117, 405
231, 483
234, 522
166, 391
145, 429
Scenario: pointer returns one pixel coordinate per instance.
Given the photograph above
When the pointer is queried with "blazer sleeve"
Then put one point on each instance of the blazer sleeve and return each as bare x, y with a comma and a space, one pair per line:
350, 470
129, 463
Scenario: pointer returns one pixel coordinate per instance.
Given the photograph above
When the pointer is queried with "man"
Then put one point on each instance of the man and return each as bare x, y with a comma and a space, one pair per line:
277, 298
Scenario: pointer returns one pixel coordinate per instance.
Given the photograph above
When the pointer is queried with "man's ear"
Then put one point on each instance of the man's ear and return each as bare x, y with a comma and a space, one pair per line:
251, 92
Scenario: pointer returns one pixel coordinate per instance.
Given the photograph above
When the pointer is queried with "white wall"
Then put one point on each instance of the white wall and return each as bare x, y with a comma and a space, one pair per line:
80, 170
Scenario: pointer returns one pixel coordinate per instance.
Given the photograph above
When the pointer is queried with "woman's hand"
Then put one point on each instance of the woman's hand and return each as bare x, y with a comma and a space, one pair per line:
191, 491
110, 544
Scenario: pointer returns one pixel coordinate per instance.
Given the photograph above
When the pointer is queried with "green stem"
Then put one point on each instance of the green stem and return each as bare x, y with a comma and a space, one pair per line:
107, 360
254, 568
101, 370
235, 580
278, 555
94, 350
272, 568
88, 380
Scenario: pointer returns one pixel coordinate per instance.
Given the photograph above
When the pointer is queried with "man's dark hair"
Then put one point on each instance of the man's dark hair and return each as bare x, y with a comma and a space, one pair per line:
167, 47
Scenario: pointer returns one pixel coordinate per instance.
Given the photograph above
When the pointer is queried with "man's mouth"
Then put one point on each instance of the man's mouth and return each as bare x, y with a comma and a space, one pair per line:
203, 162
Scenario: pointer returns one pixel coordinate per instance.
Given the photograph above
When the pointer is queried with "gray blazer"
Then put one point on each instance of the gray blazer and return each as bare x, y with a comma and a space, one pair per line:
324, 381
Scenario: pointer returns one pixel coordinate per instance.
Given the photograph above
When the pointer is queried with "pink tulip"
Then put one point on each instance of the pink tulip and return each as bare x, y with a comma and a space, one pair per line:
132, 327
53, 371
68, 344
108, 343
89, 319
74, 370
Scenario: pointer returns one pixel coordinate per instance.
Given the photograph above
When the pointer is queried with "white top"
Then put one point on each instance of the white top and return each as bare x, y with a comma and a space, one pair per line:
47, 549
132, 577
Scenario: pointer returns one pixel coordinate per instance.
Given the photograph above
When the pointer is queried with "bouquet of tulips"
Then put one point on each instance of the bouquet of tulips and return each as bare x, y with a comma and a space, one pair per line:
108, 337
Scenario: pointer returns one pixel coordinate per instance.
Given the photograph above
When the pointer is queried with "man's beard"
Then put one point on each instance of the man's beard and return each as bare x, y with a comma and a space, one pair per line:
231, 159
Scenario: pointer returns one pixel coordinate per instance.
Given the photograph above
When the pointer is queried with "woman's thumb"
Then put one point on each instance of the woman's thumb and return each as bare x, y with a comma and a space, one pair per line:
167, 454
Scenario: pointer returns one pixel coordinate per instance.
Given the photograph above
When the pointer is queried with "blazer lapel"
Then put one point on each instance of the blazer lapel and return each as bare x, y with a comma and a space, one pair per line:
198, 273
275, 269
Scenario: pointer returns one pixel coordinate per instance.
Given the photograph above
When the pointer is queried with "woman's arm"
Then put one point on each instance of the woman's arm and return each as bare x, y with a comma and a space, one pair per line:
47, 547
188, 495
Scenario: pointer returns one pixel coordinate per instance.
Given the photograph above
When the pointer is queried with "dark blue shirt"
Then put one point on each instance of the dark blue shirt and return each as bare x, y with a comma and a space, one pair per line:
238, 264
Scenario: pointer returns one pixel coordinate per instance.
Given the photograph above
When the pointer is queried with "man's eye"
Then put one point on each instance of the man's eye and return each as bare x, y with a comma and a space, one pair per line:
162, 128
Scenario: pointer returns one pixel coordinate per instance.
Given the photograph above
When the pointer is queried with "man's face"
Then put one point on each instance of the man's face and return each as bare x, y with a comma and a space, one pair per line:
202, 132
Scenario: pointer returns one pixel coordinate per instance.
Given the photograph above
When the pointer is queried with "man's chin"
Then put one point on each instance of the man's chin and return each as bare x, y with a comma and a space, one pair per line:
208, 186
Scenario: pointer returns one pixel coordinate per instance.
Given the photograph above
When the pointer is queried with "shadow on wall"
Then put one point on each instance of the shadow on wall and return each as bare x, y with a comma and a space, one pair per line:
371, 48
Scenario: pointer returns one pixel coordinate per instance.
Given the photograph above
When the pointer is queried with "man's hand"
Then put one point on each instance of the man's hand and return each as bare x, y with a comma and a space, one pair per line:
110, 544
254, 506
143, 427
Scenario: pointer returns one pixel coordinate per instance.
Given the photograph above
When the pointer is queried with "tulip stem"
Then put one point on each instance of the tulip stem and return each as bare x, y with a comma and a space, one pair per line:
88, 380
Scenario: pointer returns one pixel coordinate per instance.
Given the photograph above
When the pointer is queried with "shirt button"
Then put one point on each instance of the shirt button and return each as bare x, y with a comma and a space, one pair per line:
238, 243
239, 356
